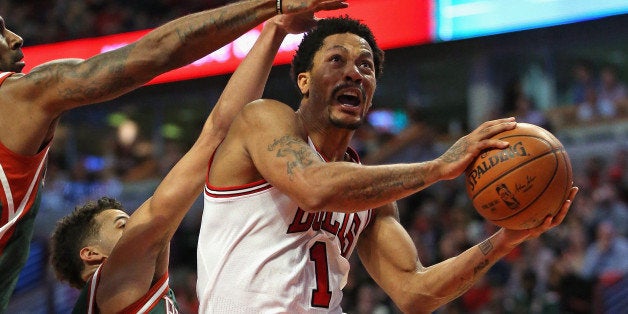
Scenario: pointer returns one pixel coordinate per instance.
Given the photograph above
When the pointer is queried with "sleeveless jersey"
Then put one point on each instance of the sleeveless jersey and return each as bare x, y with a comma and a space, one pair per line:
158, 300
258, 252
21, 178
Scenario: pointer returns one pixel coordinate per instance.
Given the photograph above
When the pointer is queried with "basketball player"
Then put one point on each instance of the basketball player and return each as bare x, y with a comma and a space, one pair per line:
31, 104
287, 201
121, 262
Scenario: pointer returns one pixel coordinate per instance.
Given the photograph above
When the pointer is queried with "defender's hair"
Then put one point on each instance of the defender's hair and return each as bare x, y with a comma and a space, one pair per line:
71, 234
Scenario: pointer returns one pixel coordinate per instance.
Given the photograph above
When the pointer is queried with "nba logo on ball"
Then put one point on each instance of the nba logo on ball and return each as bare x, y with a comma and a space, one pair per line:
517, 187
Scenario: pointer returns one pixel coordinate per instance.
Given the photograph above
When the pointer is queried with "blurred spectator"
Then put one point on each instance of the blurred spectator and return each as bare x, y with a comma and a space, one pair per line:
58, 20
612, 93
415, 142
609, 207
605, 258
617, 173
527, 299
526, 111
583, 82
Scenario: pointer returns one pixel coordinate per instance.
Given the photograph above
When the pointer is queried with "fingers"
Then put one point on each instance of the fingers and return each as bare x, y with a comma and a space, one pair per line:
553, 221
484, 133
293, 6
572, 193
333, 5
562, 213
491, 128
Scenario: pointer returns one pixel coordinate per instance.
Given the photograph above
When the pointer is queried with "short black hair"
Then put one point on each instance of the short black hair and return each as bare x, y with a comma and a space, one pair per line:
313, 40
71, 234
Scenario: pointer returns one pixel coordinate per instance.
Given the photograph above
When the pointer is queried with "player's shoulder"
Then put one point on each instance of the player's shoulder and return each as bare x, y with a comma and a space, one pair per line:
7, 78
263, 109
266, 103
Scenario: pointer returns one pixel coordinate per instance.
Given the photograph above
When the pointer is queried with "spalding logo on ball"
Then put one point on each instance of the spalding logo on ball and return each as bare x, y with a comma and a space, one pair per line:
517, 187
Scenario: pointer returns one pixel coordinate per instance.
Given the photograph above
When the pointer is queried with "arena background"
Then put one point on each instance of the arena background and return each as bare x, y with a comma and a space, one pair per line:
432, 92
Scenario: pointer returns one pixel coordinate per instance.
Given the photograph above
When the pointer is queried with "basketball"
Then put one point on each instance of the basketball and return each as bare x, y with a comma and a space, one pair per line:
517, 187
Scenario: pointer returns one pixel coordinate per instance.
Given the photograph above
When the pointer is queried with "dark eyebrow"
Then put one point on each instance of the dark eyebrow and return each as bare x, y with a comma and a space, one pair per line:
337, 47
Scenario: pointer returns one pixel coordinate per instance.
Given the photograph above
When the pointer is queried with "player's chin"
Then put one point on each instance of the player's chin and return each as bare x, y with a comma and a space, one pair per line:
18, 67
349, 124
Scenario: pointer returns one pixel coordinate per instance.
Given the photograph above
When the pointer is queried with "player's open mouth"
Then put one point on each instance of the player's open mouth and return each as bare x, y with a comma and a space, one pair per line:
349, 98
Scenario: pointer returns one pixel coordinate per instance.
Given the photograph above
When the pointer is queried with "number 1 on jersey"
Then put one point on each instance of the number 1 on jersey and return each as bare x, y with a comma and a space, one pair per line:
321, 296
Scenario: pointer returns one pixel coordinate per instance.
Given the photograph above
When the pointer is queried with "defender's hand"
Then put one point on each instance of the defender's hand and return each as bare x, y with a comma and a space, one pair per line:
299, 6
295, 23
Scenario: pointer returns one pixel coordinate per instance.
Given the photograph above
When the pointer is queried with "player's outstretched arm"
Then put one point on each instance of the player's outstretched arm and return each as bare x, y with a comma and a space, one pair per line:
390, 257
64, 84
141, 255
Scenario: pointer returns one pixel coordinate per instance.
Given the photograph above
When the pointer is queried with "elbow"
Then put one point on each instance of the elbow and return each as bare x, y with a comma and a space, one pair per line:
419, 304
314, 200
426, 297
311, 204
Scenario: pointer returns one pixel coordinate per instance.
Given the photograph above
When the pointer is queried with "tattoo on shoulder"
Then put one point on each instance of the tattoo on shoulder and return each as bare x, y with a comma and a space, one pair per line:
294, 150
455, 152
486, 247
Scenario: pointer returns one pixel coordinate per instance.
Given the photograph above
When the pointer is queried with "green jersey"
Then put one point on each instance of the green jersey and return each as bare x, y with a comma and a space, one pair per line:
158, 300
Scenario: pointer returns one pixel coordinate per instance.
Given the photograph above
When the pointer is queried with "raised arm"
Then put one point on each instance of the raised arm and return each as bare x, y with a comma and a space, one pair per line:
390, 257
141, 255
63, 84
32, 103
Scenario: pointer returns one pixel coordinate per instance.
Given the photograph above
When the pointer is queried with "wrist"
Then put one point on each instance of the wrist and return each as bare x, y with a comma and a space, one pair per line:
508, 240
433, 171
279, 7
276, 27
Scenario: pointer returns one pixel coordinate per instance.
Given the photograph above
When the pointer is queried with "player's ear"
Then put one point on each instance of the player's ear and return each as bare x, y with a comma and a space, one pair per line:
91, 254
303, 81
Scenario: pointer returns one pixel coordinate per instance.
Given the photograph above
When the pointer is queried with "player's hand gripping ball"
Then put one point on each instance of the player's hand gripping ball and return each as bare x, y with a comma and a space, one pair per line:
517, 187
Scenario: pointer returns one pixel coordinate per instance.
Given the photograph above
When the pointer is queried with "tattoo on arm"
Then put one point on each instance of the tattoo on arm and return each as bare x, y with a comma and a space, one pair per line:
82, 83
205, 25
218, 20
466, 284
479, 268
294, 150
454, 153
383, 185
292, 7
486, 247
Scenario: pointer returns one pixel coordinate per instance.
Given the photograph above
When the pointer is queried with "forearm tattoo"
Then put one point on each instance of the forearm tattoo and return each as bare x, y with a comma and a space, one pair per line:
467, 283
83, 86
290, 7
382, 185
486, 247
479, 268
223, 20
455, 152
296, 153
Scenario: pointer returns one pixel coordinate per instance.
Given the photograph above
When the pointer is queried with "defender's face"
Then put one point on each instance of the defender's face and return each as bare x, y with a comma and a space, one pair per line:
10, 50
112, 223
342, 80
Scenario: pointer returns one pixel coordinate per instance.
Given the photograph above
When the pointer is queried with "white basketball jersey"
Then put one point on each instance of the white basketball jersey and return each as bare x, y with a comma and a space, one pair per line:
258, 252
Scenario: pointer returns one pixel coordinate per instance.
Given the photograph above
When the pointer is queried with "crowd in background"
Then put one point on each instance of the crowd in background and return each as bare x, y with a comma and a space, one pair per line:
579, 267
45, 21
